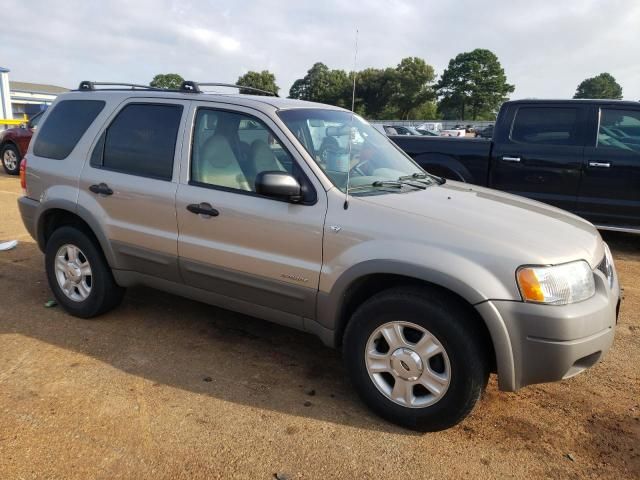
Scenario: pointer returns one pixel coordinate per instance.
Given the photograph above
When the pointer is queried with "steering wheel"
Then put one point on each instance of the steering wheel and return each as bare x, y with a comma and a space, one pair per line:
328, 143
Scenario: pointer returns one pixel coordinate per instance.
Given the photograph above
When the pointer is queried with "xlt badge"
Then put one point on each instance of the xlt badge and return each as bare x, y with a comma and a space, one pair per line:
297, 278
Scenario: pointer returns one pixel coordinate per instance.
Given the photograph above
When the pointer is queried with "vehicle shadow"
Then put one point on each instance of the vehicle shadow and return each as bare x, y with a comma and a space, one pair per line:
191, 346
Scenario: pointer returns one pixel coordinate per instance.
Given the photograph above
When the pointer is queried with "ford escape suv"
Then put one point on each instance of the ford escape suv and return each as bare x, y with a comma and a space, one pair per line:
304, 215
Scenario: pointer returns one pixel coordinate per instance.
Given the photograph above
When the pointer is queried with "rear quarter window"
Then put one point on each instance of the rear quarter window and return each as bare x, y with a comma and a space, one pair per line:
64, 127
545, 125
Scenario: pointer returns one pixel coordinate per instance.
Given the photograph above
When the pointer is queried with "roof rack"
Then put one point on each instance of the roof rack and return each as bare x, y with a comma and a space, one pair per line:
187, 86
87, 85
194, 87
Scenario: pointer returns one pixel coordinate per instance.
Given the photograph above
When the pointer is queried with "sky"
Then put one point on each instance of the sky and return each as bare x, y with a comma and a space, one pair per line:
546, 47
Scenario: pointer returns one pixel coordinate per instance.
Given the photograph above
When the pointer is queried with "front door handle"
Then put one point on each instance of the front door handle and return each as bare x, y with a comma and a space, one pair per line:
511, 159
101, 189
203, 209
600, 164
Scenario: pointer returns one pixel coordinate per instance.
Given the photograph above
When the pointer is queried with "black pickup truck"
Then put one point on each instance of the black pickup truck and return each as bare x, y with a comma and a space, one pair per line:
579, 155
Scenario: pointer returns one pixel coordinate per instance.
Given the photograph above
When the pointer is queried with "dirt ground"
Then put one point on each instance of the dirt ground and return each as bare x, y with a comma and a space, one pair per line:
164, 387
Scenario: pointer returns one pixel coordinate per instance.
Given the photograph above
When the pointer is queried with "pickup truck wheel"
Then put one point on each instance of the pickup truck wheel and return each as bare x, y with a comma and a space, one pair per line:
11, 159
415, 358
79, 275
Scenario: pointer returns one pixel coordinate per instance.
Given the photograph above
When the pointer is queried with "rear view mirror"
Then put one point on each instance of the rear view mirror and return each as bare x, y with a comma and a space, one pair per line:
278, 184
337, 131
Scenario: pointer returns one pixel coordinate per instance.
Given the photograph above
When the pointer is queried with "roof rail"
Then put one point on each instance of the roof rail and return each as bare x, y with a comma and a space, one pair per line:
88, 85
187, 86
194, 87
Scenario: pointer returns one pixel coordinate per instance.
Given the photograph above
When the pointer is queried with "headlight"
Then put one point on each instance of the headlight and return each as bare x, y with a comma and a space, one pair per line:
558, 284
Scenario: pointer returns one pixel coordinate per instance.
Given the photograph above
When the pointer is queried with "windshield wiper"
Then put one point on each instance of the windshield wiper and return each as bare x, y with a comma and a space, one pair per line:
398, 183
421, 176
389, 185
416, 175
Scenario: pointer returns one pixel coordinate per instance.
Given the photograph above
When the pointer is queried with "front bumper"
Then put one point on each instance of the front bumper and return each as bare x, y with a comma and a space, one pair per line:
546, 343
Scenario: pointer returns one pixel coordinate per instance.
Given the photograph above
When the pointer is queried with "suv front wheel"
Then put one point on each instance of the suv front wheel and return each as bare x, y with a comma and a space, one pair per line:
415, 357
79, 275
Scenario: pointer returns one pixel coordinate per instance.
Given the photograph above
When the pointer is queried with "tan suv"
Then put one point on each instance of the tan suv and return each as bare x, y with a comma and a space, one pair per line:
305, 215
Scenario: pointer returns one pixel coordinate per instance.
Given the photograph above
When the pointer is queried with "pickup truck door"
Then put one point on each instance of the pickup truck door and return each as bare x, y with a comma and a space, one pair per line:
538, 153
252, 254
610, 190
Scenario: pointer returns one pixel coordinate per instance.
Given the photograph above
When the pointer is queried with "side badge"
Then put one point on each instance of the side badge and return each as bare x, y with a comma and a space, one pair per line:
335, 228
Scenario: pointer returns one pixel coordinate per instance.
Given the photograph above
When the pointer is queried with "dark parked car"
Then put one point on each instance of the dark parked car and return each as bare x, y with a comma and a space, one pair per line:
404, 130
485, 132
580, 155
14, 143
427, 133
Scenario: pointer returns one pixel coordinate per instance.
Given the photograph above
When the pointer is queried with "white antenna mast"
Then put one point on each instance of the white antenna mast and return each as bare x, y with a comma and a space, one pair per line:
353, 106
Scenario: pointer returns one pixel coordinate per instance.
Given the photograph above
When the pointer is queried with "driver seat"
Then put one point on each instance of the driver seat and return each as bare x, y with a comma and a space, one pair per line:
219, 165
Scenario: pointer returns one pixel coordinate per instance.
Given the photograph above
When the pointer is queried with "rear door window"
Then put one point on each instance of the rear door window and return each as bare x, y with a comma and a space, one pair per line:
546, 126
64, 127
619, 129
141, 141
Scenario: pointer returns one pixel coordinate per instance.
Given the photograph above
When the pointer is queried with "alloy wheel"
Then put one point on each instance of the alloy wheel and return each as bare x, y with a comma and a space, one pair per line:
73, 273
408, 364
10, 159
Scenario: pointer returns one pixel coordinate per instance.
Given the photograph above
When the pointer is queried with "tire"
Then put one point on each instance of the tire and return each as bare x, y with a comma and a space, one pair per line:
453, 329
10, 159
95, 293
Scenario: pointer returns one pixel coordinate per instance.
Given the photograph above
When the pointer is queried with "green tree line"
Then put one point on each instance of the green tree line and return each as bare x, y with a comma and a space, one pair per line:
472, 87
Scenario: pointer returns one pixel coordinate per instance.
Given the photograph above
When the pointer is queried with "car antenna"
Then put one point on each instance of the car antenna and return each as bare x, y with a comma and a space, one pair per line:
353, 105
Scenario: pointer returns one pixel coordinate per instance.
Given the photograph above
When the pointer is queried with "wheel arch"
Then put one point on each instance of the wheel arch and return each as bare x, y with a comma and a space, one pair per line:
444, 165
62, 214
364, 280
10, 141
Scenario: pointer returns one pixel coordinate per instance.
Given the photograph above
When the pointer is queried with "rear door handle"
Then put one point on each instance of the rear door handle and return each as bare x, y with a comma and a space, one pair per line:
203, 209
600, 164
511, 159
101, 189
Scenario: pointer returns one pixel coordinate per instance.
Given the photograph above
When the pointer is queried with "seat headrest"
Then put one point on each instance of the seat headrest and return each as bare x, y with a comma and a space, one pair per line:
217, 152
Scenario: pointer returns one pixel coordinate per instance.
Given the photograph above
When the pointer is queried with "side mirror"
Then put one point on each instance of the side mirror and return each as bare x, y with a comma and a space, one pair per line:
279, 185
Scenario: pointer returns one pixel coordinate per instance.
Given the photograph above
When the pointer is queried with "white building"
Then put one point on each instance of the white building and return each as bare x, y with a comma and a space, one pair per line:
22, 98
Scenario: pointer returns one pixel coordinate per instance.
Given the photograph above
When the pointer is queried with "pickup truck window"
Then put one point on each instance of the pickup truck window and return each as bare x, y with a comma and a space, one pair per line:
545, 125
619, 129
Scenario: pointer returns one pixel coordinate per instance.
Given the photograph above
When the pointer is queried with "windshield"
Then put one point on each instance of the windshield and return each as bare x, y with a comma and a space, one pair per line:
343, 144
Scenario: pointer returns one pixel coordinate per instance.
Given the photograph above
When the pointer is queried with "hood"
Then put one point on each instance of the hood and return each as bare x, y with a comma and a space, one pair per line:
511, 225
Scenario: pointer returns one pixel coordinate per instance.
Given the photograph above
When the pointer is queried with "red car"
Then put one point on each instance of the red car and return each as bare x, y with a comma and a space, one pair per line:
14, 143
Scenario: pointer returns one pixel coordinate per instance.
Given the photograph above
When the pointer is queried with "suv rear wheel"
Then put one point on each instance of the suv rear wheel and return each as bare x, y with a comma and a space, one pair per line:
415, 358
10, 159
78, 274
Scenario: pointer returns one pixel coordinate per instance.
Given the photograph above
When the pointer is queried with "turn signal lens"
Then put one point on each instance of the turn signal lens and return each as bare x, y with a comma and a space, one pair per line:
529, 285
556, 285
